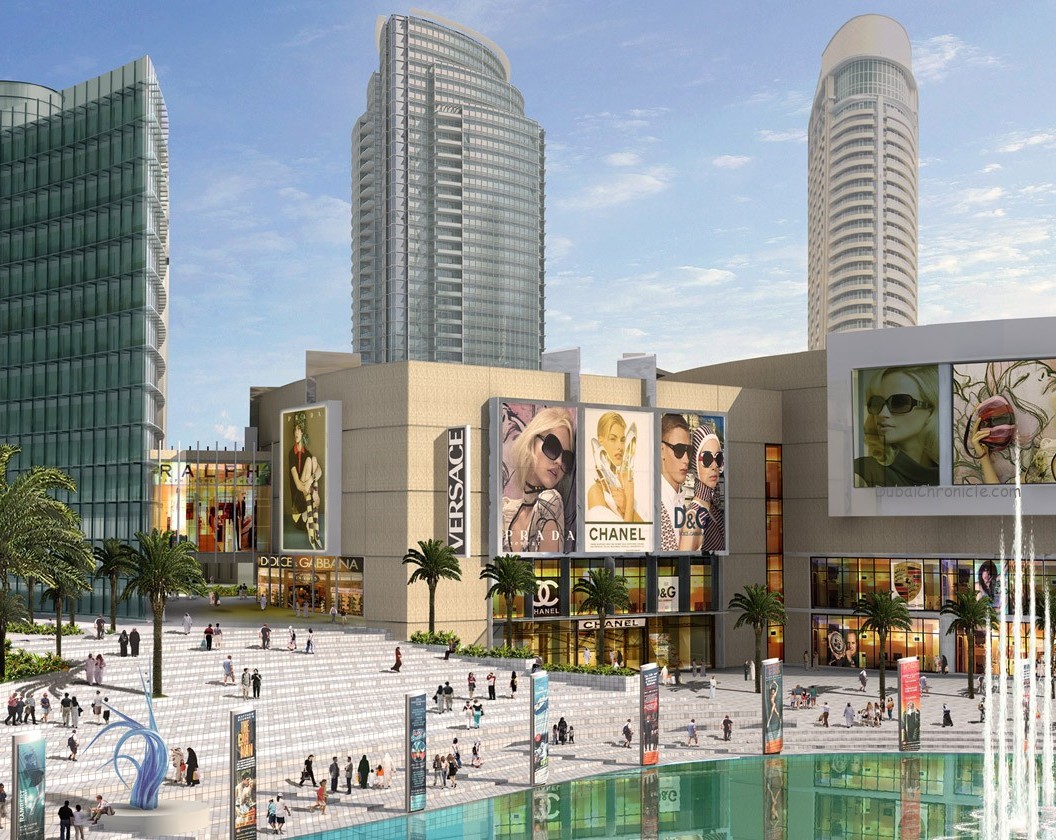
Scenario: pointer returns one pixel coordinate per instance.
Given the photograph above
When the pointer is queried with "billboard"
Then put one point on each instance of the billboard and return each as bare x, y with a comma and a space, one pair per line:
458, 490
617, 490
909, 704
535, 461
649, 721
310, 479
540, 736
692, 482
27, 813
773, 719
907, 582
416, 750
1004, 422
243, 727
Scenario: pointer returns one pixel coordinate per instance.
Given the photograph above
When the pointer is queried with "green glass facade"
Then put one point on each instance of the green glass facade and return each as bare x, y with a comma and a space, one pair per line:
84, 279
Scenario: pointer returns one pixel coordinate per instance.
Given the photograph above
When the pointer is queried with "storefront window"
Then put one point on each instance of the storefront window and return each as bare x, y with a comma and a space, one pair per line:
838, 640
313, 583
700, 575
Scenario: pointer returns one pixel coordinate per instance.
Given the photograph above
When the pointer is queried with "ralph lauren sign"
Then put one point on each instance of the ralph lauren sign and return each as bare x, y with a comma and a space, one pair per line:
458, 490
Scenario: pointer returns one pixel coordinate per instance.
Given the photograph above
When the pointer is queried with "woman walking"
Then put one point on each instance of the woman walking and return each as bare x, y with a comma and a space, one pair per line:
100, 670
452, 771
399, 661
513, 685
364, 772
438, 772
193, 776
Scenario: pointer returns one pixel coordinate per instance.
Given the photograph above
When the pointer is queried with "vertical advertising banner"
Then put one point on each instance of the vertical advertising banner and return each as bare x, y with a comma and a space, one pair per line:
909, 704
692, 479
310, 479
536, 481
540, 736
458, 490
617, 492
416, 750
243, 728
775, 812
27, 798
773, 720
649, 703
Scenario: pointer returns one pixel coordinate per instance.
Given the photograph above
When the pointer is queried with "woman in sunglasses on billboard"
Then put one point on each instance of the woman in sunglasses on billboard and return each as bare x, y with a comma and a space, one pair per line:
901, 429
543, 458
706, 519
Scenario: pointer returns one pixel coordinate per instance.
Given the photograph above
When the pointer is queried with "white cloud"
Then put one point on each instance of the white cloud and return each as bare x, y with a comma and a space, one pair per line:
1022, 140
730, 161
226, 430
623, 159
989, 214
795, 135
980, 195
621, 188
936, 57
696, 276
557, 247
991, 167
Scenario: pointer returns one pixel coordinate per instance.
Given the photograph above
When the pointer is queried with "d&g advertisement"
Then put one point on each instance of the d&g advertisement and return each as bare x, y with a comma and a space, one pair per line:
692, 483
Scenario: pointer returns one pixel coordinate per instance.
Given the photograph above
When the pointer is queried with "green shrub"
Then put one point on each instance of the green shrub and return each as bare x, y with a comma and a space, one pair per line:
502, 652
46, 628
224, 590
22, 664
444, 637
599, 670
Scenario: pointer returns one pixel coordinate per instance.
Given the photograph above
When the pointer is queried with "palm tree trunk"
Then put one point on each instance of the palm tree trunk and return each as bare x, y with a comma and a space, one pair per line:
3, 652
432, 608
601, 637
509, 622
73, 610
29, 598
971, 666
883, 667
159, 610
58, 626
758, 660
113, 603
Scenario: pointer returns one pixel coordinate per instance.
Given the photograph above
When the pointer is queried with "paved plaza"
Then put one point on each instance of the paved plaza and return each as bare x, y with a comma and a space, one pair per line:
343, 700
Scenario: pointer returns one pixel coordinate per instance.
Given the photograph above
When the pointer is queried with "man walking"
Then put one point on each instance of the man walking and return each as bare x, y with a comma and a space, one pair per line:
265, 637
65, 704
133, 641
691, 733
806, 661
187, 623
727, 728
335, 773
628, 734
100, 627
65, 820
491, 685
449, 696
247, 681
209, 637
229, 670
848, 715
863, 678
825, 714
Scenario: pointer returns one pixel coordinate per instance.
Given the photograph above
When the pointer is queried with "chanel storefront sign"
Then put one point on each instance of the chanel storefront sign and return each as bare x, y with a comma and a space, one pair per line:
612, 623
458, 490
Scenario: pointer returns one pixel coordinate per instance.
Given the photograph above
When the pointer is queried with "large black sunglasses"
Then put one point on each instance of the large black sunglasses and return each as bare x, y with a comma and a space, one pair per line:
706, 459
680, 450
896, 404
553, 450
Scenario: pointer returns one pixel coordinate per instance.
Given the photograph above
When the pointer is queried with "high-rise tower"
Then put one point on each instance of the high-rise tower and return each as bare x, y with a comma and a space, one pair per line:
862, 183
447, 204
84, 279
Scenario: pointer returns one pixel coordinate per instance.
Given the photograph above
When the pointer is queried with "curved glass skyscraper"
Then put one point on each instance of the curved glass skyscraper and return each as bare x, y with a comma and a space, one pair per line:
447, 204
84, 280
862, 183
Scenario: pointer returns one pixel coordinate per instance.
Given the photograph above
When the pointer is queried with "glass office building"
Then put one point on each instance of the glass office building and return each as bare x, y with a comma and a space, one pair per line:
84, 280
447, 204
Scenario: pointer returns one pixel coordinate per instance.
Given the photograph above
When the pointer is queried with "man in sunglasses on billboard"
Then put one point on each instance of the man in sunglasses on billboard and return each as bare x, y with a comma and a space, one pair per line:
675, 456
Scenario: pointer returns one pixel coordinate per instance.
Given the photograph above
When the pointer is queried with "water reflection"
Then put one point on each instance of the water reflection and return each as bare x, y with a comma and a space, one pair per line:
840, 797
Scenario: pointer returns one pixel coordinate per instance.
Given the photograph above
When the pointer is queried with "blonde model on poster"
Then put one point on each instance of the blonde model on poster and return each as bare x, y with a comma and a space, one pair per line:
901, 430
611, 497
543, 455
305, 475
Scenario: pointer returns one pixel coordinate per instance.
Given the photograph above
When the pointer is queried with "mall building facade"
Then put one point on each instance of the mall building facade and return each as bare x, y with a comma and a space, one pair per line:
411, 451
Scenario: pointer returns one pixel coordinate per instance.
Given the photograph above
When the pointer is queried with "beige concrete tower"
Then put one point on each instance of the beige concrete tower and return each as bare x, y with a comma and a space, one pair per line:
862, 183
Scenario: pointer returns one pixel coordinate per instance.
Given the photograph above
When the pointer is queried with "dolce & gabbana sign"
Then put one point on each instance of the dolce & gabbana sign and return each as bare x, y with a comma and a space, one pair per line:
309, 564
458, 490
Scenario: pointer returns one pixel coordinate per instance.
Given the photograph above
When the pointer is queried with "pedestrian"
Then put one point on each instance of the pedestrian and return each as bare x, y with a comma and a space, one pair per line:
477, 760
478, 713
727, 728
97, 705
122, 642
12, 709
246, 682
924, 685
308, 772
664, 679
350, 769
471, 683
309, 645
45, 707
187, 623
863, 679
553, 736
229, 670
439, 698
452, 771
106, 711
272, 813
73, 744
75, 712
628, 734
333, 613
80, 821
282, 810
3, 804
947, 718
399, 660
751, 670
439, 776
100, 670
825, 714
133, 641
263, 605
691, 733
491, 685
712, 685
945, 667
218, 636
456, 751
89, 669
513, 685
100, 809
562, 730
806, 661
571, 734
194, 776
256, 680
178, 766
890, 708
746, 663
66, 707
265, 637
100, 627
335, 774
208, 632
320, 798
65, 820
363, 774
467, 710
848, 715
982, 710
449, 696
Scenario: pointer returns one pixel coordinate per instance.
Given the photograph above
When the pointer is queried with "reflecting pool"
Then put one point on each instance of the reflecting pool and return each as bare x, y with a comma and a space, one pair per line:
874, 795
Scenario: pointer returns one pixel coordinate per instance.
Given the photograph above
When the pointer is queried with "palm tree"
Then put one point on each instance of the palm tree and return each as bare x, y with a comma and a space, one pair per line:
69, 575
605, 593
971, 613
883, 613
162, 564
436, 561
759, 609
12, 610
33, 523
113, 559
511, 576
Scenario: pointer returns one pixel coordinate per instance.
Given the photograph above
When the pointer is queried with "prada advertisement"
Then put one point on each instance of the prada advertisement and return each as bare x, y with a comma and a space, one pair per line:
458, 490
599, 480
310, 479
952, 419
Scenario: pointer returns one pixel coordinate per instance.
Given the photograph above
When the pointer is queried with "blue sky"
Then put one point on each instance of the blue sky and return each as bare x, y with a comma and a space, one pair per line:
676, 168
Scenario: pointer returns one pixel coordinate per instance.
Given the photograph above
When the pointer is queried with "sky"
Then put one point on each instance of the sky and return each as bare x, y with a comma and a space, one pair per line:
675, 170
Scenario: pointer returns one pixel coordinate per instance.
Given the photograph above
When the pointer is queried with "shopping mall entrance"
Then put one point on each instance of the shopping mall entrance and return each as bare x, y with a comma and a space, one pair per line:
312, 583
